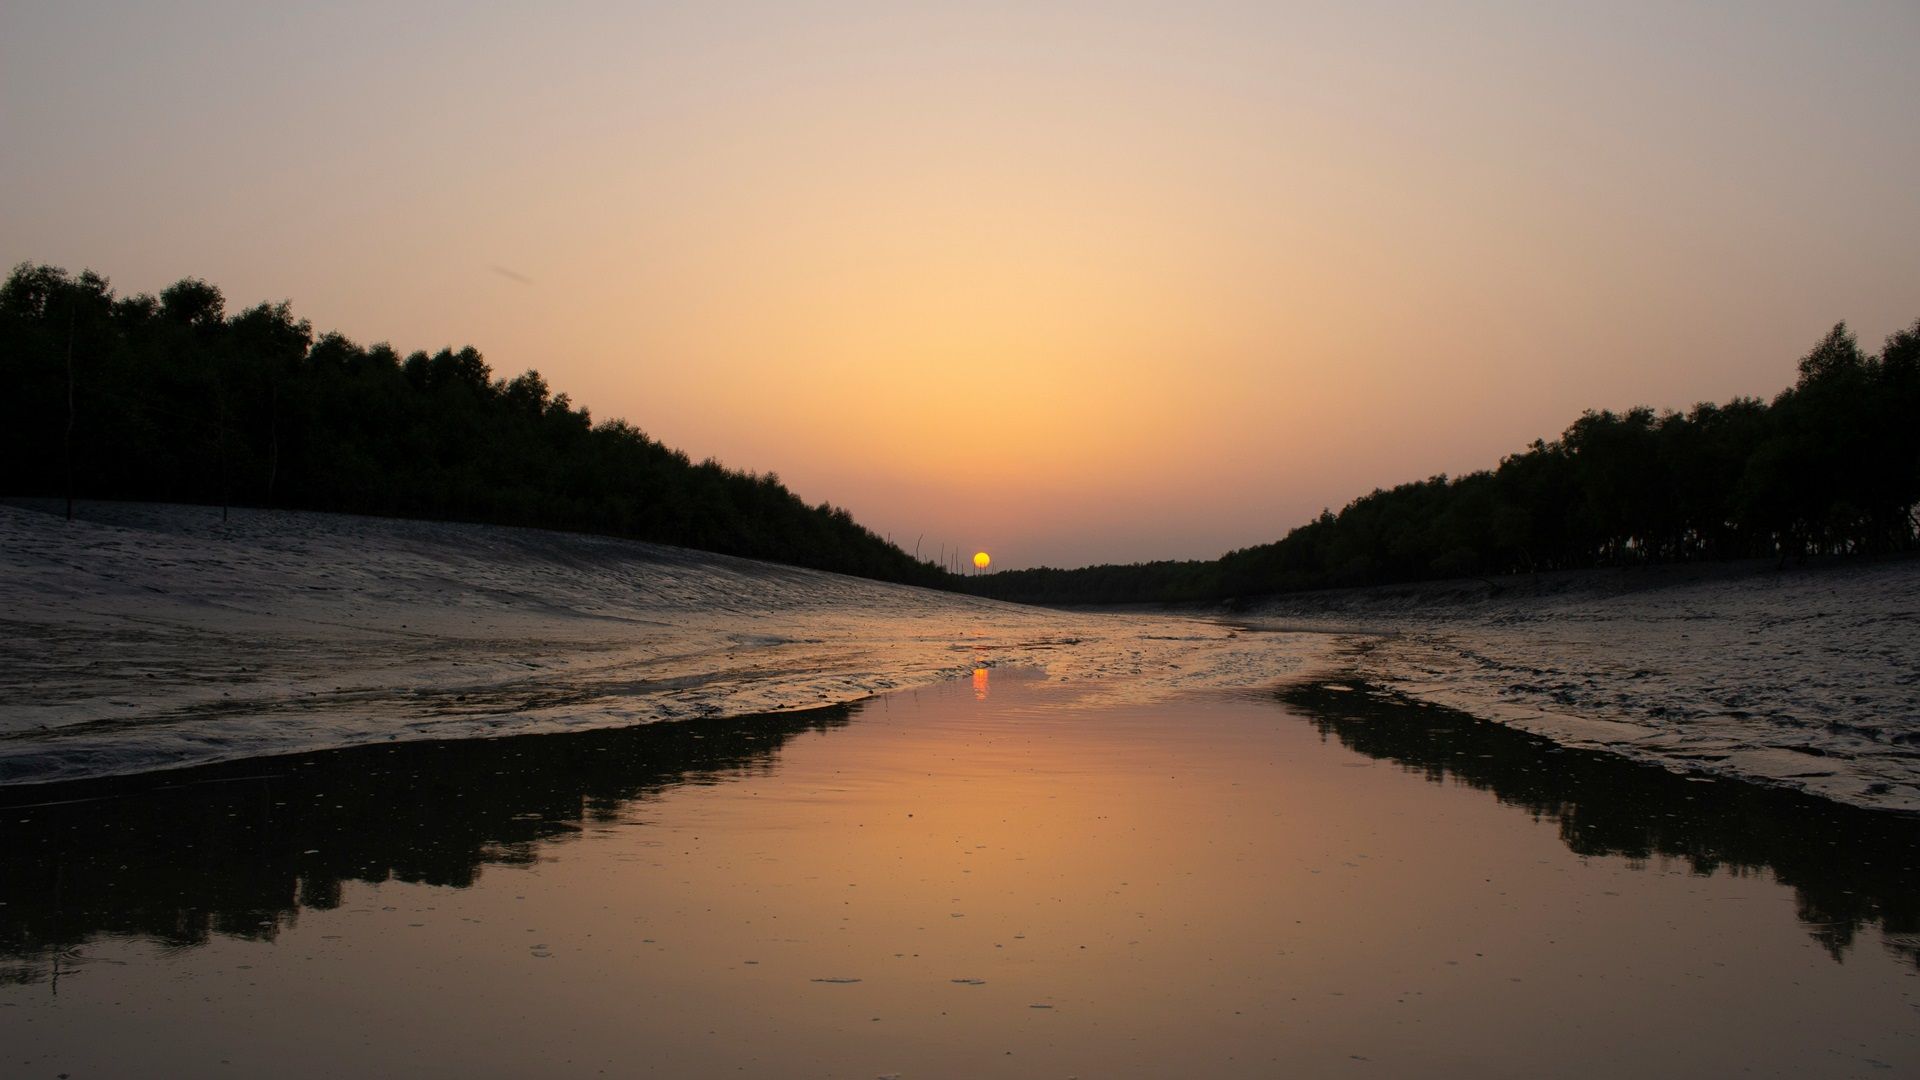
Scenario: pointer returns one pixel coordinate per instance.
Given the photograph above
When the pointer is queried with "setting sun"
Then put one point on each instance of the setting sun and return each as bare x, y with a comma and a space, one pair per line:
982, 560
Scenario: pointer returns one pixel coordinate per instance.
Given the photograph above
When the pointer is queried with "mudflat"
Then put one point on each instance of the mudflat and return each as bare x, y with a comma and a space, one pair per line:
1798, 675
146, 636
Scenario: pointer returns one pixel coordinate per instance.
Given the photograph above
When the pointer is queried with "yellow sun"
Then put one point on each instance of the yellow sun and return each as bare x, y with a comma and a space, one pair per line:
982, 560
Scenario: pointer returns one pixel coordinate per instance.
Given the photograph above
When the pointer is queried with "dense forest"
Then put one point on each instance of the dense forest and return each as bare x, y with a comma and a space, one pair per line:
1831, 466
171, 399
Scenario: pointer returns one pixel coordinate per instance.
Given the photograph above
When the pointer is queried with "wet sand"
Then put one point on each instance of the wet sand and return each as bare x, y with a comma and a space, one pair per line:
999, 875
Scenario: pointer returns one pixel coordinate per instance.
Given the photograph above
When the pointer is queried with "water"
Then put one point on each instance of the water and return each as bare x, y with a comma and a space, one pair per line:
998, 874
1055, 844
143, 637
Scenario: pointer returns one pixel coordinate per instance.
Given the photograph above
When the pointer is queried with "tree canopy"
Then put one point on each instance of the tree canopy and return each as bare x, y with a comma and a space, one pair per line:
171, 399
1831, 466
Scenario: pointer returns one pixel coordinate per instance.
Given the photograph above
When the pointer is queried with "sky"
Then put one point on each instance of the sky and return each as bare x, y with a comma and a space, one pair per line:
1070, 283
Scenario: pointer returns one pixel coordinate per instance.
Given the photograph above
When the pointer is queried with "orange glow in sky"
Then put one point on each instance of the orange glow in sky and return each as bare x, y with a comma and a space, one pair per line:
1078, 282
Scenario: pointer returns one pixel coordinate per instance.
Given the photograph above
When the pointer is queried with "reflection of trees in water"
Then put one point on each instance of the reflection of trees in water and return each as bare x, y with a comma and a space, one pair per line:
1848, 867
238, 849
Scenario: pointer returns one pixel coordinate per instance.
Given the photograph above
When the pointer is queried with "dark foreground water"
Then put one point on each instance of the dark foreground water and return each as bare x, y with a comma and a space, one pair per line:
992, 877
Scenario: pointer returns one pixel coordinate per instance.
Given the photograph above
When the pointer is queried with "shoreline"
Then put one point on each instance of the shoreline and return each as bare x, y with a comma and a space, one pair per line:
1806, 678
147, 637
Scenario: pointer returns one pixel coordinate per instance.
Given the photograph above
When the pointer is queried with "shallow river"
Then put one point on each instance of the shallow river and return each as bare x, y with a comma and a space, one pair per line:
1001, 874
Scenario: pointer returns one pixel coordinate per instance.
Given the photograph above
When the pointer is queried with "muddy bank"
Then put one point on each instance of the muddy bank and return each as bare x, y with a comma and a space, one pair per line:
148, 636
1805, 676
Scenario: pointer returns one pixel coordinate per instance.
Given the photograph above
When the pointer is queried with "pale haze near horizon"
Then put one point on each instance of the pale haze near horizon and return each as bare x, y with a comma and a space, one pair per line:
1068, 283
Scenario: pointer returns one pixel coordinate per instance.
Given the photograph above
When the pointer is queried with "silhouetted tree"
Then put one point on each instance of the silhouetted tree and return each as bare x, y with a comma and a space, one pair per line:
171, 399
168, 398
1832, 466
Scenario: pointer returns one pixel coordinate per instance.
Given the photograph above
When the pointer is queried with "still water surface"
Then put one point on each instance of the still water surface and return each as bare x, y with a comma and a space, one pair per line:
990, 877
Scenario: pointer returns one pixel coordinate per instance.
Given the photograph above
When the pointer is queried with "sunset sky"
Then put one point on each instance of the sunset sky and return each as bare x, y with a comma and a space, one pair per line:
1069, 283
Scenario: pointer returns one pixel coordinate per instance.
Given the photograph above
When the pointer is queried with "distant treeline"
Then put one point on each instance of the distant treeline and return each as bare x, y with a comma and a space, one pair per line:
170, 399
1831, 466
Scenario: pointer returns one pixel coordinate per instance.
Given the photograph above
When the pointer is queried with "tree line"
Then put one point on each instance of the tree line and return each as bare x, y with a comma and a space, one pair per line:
169, 398
1830, 466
